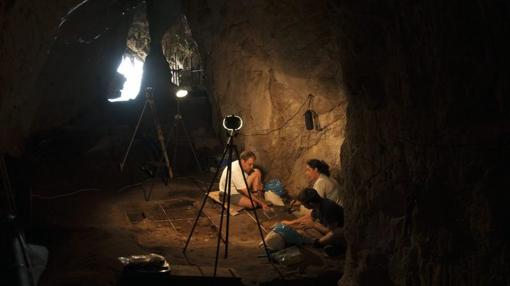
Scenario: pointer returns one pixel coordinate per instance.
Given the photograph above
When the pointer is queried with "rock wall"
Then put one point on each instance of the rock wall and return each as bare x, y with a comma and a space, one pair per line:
57, 62
263, 59
25, 37
427, 145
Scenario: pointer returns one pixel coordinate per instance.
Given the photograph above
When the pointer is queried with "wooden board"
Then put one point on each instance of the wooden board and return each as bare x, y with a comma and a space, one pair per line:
234, 209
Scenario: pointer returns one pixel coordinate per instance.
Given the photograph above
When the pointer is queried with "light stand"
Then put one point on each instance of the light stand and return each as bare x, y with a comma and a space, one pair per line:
149, 101
178, 121
230, 148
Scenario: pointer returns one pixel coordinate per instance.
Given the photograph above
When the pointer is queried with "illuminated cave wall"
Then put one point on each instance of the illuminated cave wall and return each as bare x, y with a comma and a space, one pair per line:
263, 59
427, 138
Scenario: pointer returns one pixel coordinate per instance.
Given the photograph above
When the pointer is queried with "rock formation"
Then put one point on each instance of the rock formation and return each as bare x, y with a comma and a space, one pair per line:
263, 59
426, 142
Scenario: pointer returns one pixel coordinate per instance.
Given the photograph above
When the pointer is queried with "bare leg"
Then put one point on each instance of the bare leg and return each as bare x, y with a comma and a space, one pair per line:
246, 203
255, 180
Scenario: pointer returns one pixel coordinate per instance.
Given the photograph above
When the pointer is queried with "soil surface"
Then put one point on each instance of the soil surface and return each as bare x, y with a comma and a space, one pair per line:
86, 231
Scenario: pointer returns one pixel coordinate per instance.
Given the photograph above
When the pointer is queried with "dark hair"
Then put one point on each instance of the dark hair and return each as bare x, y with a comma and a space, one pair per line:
309, 195
320, 165
245, 155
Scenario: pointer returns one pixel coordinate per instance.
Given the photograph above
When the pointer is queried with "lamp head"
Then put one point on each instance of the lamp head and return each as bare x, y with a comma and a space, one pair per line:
181, 93
232, 123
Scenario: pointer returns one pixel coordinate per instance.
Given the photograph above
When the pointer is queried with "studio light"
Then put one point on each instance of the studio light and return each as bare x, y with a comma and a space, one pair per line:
181, 93
232, 122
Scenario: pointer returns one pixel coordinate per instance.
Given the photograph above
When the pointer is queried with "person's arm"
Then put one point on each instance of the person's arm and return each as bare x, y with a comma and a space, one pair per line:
326, 232
333, 220
326, 239
303, 219
321, 228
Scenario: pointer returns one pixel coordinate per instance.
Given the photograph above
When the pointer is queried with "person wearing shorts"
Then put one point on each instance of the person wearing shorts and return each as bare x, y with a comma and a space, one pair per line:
238, 189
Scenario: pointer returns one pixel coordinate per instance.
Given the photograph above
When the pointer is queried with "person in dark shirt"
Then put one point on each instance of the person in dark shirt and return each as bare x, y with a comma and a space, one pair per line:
327, 217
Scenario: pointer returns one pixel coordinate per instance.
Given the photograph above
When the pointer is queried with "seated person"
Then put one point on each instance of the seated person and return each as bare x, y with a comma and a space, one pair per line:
317, 171
327, 217
238, 188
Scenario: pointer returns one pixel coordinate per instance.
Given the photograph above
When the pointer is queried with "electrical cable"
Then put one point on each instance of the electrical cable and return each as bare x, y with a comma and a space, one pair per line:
133, 185
308, 100
283, 125
64, 195
140, 184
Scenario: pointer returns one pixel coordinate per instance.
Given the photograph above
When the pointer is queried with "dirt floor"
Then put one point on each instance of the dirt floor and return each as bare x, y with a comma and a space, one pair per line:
87, 231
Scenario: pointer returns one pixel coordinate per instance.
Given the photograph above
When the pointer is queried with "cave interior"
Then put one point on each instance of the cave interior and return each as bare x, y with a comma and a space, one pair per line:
405, 101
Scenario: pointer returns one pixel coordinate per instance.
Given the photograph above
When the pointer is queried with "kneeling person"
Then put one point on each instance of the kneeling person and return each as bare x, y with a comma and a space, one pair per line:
327, 217
238, 189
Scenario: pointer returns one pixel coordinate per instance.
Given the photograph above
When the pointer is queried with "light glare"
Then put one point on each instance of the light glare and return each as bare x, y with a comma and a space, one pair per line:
132, 69
181, 93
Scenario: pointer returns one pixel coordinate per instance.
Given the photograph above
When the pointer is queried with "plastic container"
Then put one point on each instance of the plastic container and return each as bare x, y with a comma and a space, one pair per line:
288, 256
275, 186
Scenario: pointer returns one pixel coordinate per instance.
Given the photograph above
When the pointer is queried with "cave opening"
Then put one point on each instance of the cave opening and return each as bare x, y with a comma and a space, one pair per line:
132, 70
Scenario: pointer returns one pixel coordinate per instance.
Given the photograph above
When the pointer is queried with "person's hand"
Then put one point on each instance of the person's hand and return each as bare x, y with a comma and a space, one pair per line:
265, 207
303, 225
286, 222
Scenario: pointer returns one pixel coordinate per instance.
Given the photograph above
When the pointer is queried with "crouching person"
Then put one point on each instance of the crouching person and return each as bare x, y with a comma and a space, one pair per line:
327, 217
238, 188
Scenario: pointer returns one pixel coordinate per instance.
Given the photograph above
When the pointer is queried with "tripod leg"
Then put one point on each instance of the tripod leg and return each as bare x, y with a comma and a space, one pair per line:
159, 131
169, 137
229, 192
254, 211
192, 146
204, 200
147, 195
133, 137
175, 127
225, 195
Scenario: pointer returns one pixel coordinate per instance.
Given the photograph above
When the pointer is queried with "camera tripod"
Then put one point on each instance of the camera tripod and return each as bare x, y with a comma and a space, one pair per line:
230, 148
20, 266
178, 121
149, 101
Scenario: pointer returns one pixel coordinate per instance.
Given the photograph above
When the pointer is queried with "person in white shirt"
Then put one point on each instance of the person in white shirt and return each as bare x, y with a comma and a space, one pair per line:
317, 172
238, 189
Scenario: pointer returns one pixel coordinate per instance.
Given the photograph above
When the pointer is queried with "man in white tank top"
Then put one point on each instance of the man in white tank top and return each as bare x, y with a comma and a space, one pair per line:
238, 189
